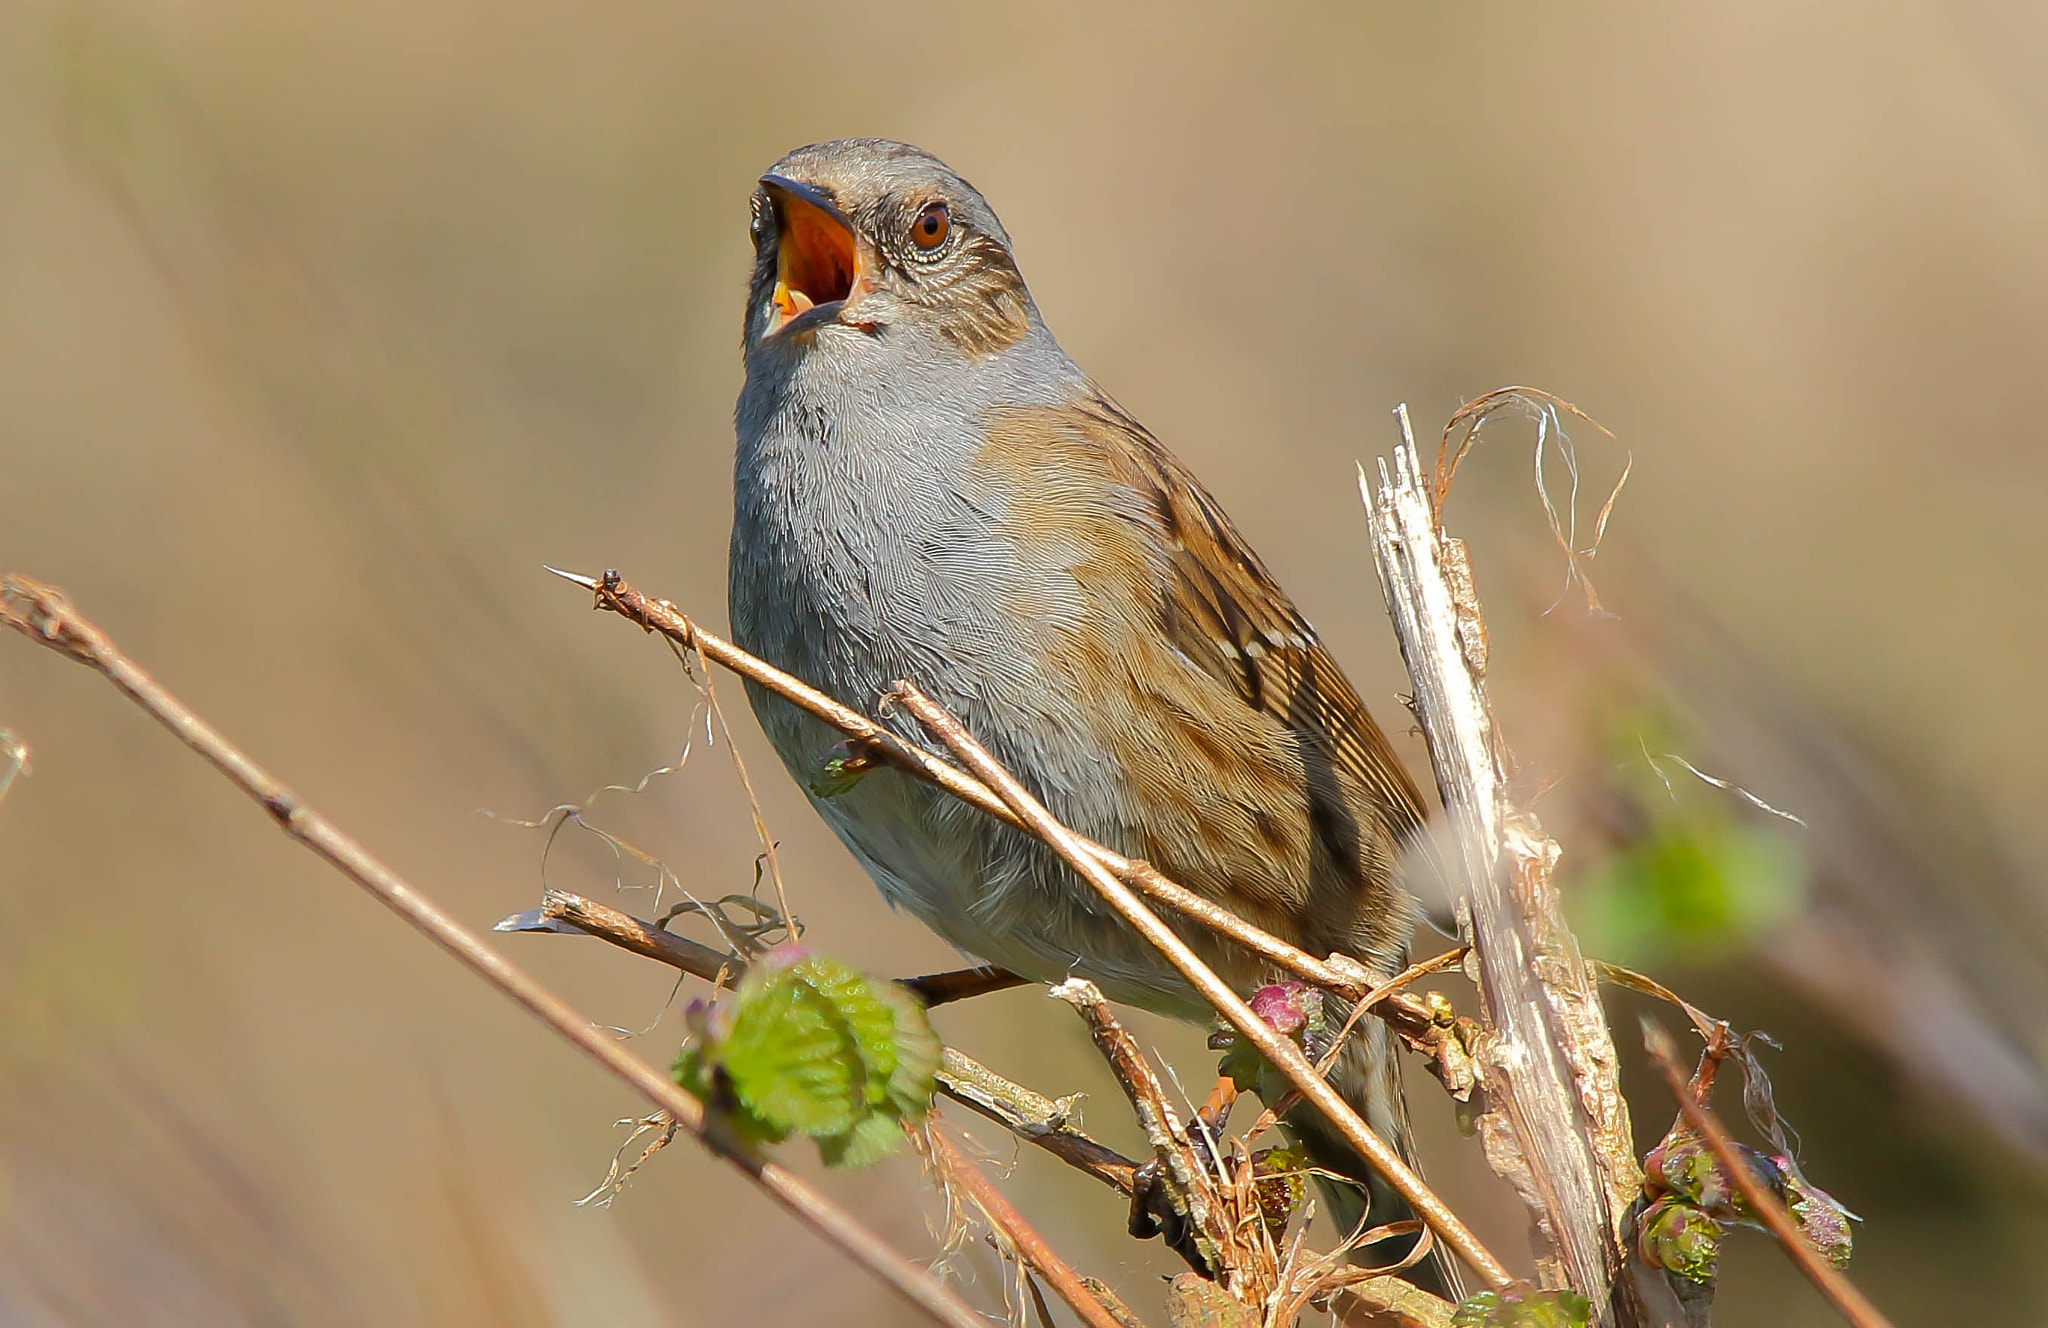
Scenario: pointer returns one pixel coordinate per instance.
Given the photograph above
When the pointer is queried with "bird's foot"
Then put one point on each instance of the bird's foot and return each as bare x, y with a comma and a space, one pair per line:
1156, 1212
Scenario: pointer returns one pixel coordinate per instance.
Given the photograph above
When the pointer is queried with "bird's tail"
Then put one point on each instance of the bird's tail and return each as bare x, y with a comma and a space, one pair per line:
1368, 1077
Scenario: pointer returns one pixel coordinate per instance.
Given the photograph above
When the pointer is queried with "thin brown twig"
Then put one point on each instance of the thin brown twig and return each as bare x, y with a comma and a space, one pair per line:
1031, 1247
1838, 1290
630, 933
1185, 1169
715, 966
1406, 1014
1279, 1051
45, 616
1415, 972
960, 984
1034, 1118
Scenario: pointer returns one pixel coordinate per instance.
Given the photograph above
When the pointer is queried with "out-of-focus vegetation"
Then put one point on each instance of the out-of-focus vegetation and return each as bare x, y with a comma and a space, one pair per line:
1698, 875
322, 327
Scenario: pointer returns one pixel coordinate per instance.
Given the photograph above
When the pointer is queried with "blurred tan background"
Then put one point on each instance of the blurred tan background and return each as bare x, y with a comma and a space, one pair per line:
323, 327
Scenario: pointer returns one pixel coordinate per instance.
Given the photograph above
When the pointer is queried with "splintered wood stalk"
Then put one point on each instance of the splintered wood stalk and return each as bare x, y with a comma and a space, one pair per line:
1555, 1125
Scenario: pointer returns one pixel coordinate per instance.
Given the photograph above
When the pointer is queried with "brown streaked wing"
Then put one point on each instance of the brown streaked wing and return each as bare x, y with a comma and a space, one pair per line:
1224, 611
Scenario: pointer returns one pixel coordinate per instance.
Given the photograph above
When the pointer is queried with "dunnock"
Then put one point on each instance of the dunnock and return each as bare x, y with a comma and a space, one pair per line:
926, 487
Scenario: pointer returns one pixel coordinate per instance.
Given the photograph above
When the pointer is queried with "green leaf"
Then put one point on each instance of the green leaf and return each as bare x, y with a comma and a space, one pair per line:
918, 1053
808, 1045
869, 1024
790, 1059
873, 1139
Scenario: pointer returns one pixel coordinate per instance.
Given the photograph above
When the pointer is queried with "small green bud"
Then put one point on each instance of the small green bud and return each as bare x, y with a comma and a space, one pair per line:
1674, 1235
1820, 1216
1685, 1166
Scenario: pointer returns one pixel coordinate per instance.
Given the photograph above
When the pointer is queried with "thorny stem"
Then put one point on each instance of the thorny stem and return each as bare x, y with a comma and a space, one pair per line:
44, 615
1838, 1290
1282, 1053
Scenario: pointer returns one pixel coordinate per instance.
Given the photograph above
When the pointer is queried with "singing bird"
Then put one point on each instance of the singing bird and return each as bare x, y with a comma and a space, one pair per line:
926, 487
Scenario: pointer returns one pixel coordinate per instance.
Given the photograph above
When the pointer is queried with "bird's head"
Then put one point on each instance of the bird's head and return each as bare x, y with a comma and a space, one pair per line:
863, 237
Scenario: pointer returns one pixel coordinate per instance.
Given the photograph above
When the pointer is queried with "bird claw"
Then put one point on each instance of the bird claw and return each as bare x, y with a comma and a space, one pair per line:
1154, 1212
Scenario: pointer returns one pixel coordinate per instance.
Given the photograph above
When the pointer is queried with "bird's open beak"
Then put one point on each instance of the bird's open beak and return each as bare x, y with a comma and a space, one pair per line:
816, 260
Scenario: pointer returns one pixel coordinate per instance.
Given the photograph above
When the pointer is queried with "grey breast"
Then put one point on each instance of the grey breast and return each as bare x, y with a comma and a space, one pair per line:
857, 560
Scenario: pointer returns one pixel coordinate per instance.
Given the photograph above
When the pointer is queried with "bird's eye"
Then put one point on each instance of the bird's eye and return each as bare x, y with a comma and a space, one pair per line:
929, 231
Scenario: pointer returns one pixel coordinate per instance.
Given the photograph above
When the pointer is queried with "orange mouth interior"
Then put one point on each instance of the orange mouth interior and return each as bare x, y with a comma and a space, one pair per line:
814, 259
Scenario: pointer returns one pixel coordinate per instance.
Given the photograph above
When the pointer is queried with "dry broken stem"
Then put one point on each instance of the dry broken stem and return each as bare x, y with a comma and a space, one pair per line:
44, 615
1556, 1126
